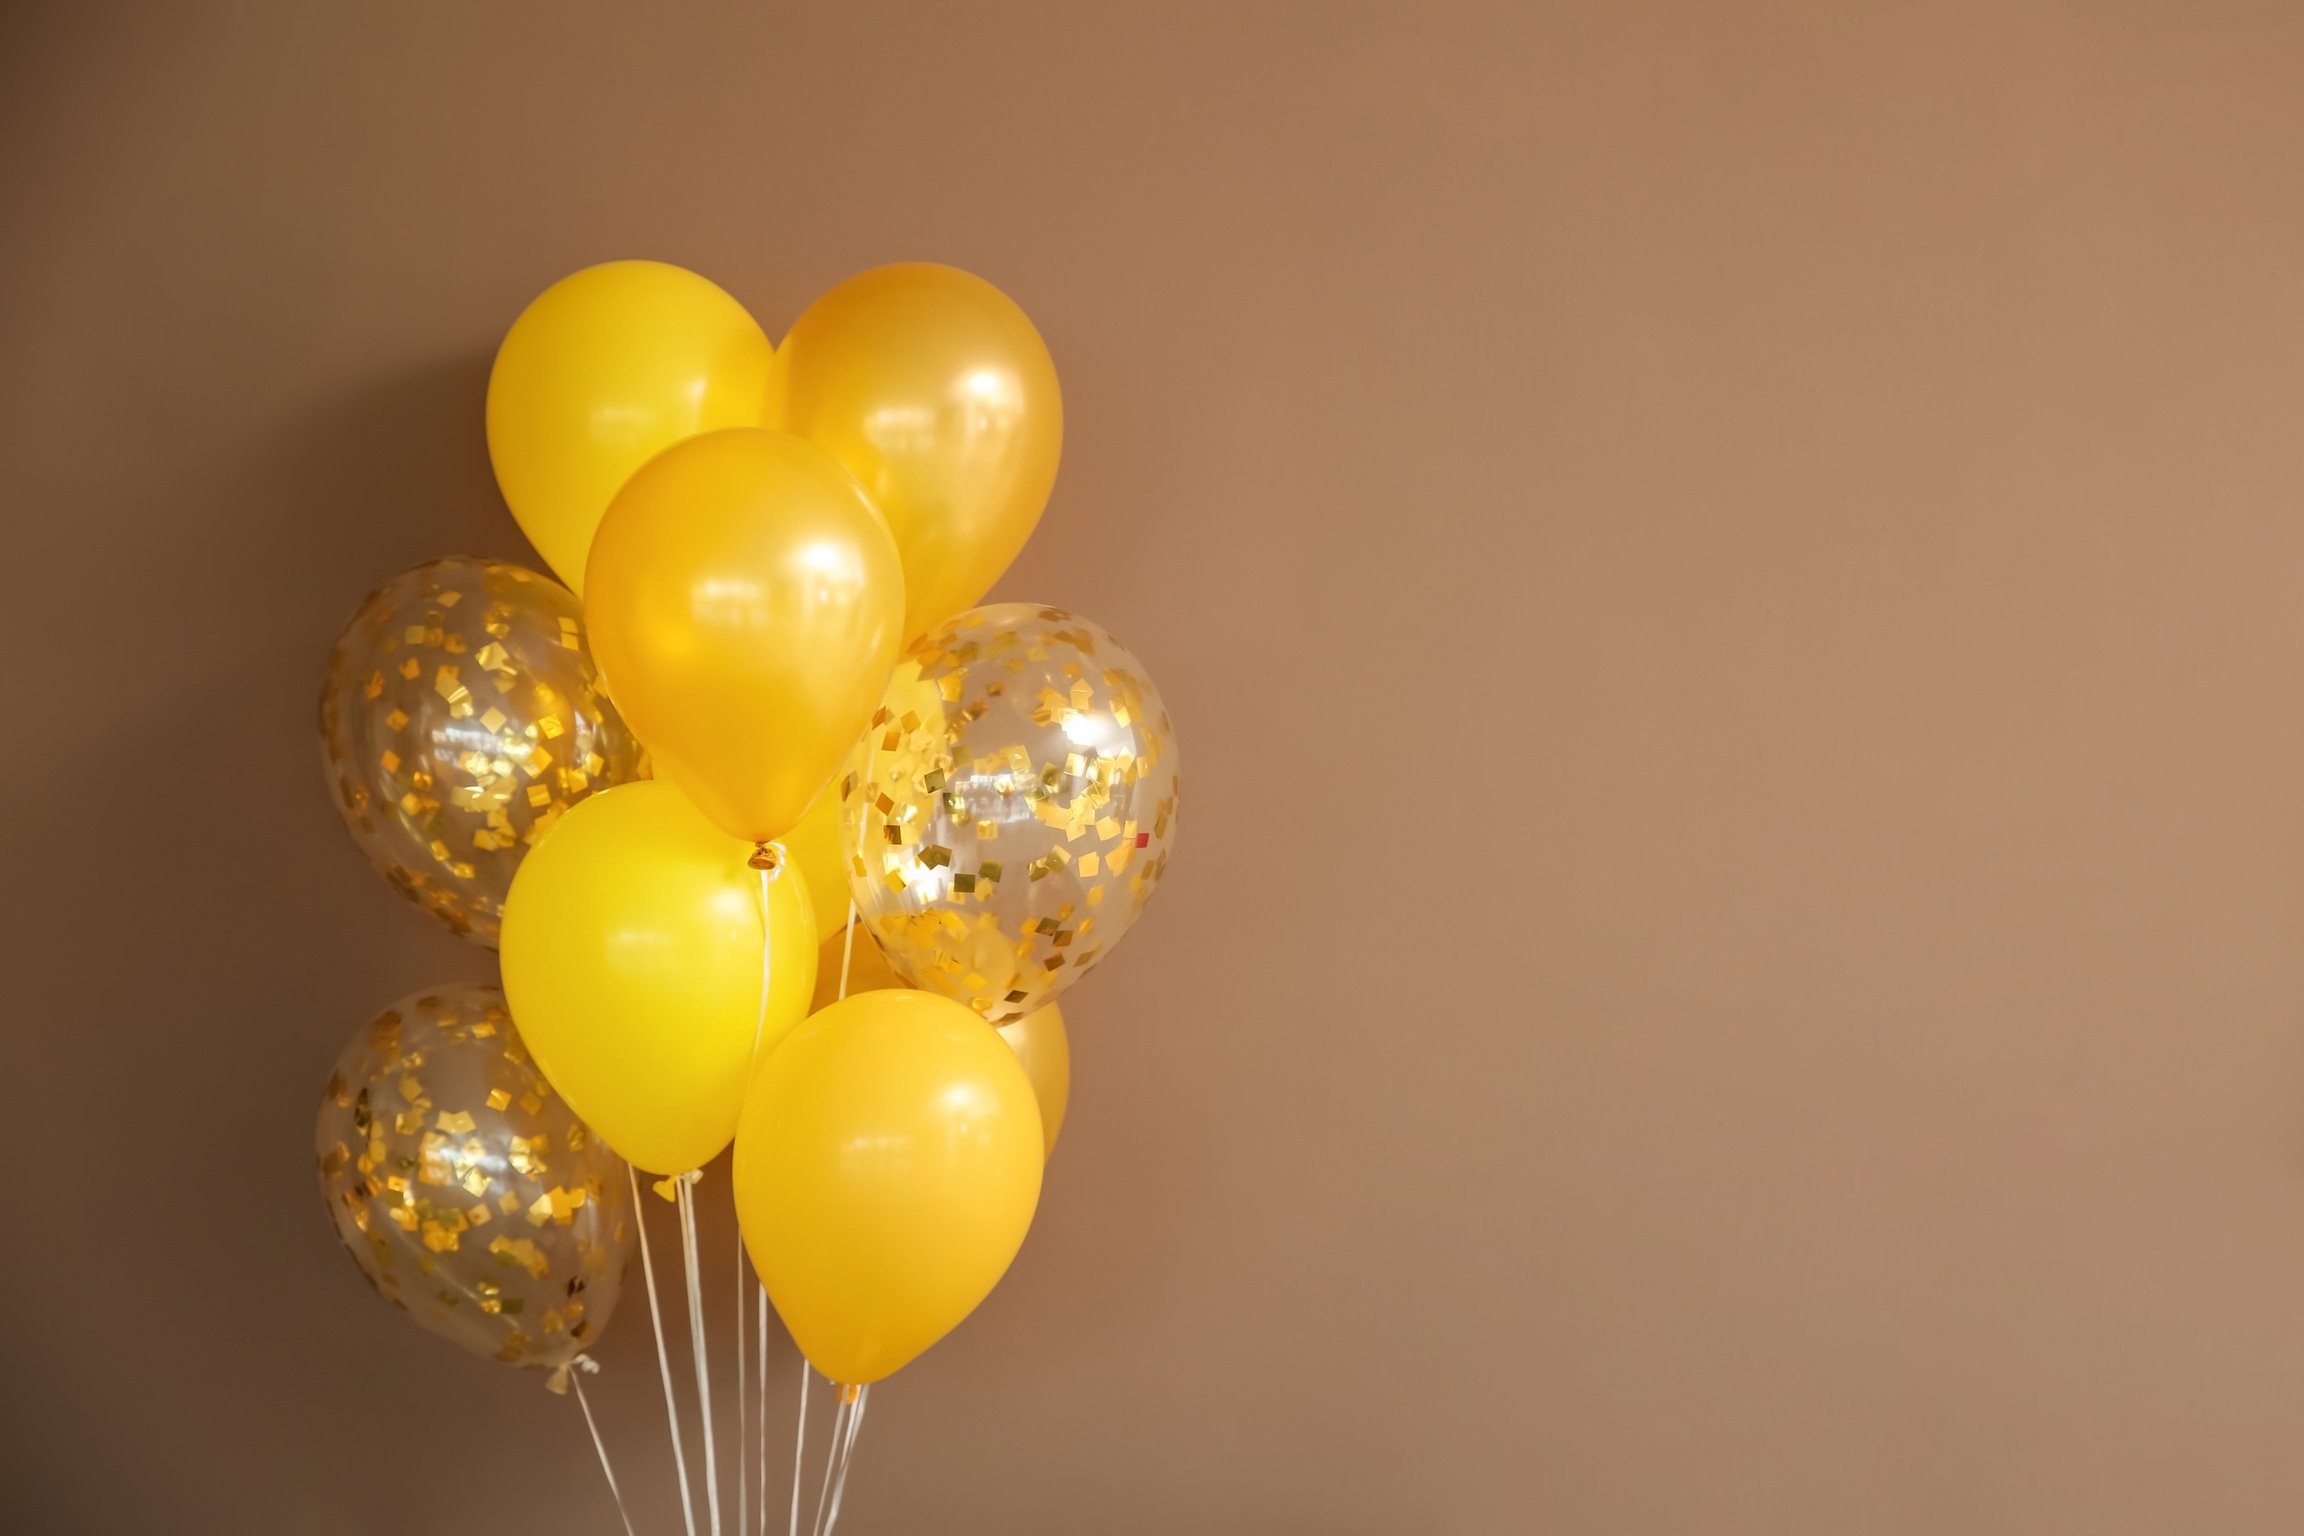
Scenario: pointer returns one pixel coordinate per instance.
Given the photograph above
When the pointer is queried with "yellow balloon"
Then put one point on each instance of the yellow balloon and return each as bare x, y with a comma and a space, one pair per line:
602, 371
1040, 1044
632, 963
934, 388
744, 604
1038, 1039
886, 1173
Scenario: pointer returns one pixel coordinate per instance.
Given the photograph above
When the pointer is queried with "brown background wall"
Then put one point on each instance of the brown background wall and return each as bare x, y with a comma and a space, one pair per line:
1733, 582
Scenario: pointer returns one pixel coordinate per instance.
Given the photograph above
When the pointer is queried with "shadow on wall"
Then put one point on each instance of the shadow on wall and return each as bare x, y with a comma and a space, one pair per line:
182, 843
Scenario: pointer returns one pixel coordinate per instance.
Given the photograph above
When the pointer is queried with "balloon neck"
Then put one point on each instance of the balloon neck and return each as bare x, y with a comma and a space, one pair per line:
767, 857
849, 1391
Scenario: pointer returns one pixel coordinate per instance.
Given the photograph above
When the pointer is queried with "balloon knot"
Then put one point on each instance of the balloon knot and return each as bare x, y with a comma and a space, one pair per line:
557, 1382
767, 856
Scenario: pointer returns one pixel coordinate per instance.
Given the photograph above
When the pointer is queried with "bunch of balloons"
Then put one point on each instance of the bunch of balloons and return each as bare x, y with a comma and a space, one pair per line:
784, 842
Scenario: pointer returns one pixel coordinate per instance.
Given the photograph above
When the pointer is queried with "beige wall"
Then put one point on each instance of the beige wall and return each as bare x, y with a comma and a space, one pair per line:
1732, 578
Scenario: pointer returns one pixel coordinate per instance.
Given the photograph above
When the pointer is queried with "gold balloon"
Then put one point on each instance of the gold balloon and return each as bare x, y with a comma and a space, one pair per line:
886, 1171
1014, 801
1038, 1039
746, 600
603, 370
459, 717
932, 386
633, 958
465, 1190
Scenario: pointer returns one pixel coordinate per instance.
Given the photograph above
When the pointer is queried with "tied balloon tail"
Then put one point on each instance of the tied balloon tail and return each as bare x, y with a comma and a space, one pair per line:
687, 1195
847, 1454
572, 1375
663, 1359
799, 1445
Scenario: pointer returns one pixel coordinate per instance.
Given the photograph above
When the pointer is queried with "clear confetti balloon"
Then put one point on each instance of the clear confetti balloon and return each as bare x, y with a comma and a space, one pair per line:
465, 1190
1011, 808
460, 716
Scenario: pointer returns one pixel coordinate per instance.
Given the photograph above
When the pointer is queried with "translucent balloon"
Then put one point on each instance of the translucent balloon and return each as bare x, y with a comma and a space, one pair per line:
459, 717
465, 1190
1011, 808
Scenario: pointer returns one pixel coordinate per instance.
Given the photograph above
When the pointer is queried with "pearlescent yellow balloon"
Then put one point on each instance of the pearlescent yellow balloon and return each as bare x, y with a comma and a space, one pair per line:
605, 369
1045, 1050
1038, 1039
632, 963
745, 603
886, 1173
935, 389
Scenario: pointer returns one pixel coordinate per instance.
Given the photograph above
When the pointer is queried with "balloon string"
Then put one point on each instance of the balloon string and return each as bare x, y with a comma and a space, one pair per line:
847, 1455
848, 932
760, 1300
767, 964
663, 1360
685, 1187
847, 949
831, 1459
799, 1444
582, 1364
743, 1486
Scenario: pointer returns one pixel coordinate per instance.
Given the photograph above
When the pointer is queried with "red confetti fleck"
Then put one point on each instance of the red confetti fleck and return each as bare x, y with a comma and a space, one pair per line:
1143, 839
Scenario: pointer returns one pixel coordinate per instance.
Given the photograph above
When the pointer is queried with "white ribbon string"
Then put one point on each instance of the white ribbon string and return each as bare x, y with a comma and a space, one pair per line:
847, 949
759, 1032
743, 1485
799, 1444
663, 1359
760, 1299
831, 1460
685, 1189
847, 1456
580, 1365
767, 967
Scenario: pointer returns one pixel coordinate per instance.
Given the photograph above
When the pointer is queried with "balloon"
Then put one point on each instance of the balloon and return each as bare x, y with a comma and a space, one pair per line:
468, 1194
632, 959
1045, 1051
814, 845
459, 718
885, 1175
1038, 1038
1015, 801
935, 389
745, 601
605, 369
